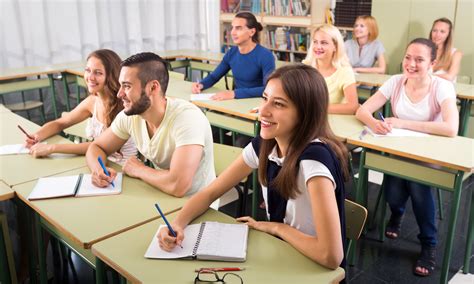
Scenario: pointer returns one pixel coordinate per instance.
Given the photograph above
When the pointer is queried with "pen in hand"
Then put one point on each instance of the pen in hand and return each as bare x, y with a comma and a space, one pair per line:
381, 116
105, 169
26, 133
167, 223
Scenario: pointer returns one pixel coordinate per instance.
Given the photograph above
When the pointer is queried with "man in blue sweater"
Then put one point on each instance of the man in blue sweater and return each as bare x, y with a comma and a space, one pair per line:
250, 62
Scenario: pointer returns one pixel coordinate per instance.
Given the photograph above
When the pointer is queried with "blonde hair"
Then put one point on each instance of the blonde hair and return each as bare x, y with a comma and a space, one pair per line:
372, 26
339, 58
444, 61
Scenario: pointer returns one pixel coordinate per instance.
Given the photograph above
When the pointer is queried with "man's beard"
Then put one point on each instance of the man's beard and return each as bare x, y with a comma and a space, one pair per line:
140, 106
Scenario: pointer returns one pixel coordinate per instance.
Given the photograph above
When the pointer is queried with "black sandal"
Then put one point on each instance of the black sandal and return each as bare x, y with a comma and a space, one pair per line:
394, 225
427, 260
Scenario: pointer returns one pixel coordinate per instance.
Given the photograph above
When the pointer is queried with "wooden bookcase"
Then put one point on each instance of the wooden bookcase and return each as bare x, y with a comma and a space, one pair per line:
287, 36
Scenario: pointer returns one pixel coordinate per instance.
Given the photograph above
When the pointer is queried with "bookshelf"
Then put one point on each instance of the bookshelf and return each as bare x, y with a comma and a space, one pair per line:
287, 24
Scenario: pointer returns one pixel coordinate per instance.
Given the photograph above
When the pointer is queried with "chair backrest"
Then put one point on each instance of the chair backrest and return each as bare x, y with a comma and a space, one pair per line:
465, 79
356, 215
224, 155
176, 75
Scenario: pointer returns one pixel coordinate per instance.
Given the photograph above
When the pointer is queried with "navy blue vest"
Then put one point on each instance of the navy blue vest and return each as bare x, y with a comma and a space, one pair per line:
316, 151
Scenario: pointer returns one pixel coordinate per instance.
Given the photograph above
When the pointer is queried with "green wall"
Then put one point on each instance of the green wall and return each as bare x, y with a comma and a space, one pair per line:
400, 21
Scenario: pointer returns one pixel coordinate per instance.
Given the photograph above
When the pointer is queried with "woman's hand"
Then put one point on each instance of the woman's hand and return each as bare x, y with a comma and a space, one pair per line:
100, 179
224, 95
39, 150
30, 142
264, 226
166, 241
196, 88
381, 127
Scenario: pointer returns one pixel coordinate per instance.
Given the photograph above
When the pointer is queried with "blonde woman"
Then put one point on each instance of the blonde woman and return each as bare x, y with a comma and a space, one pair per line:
328, 55
448, 58
365, 51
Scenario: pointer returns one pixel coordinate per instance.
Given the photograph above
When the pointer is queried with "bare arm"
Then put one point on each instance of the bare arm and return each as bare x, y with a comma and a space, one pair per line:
41, 150
380, 67
447, 127
78, 114
199, 202
326, 247
177, 180
351, 104
453, 68
364, 114
106, 144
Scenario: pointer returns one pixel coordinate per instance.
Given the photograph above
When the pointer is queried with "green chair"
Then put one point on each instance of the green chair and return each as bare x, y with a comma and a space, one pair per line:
7, 263
224, 155
178, 64
356, 216
27, 85
80, 85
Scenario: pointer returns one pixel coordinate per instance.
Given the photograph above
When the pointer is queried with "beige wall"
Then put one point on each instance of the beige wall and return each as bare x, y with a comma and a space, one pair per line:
400, 21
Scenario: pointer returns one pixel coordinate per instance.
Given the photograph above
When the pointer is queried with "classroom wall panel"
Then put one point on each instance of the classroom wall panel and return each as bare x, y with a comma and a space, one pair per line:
464, 36
393, 19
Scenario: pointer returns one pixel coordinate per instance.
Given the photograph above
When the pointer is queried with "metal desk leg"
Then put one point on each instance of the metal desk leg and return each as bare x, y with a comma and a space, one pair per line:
100, 273
65, 90
53, 95
452, 226
41, 250
470, 237
464, 114
361, 191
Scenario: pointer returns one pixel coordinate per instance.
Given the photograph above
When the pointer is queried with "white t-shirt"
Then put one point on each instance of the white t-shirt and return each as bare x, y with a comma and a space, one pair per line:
298, 211
183, 124
419, 111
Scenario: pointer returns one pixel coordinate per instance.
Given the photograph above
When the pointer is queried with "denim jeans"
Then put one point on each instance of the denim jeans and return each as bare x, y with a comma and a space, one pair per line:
398, 190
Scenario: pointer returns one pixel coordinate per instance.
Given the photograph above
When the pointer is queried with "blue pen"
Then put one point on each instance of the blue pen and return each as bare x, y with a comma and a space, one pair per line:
381, 116
166, 221
105, 170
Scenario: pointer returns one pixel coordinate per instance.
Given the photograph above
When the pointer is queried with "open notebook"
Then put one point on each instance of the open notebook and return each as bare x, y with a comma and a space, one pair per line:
201, 97
208, 241
397, 132
78, 185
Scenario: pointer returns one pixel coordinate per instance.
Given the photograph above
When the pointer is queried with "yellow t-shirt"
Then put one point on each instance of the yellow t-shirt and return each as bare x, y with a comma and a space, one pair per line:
183, 124
337, 82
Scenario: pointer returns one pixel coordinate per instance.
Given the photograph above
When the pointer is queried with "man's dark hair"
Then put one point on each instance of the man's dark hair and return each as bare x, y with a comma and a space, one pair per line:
150, 67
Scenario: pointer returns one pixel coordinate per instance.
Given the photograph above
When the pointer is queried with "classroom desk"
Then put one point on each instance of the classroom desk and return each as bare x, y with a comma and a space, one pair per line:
16, 169
407, 157
269, 259
7, 266
465, 94
237, 107
82, 222
182, 89
17, 73
6, 192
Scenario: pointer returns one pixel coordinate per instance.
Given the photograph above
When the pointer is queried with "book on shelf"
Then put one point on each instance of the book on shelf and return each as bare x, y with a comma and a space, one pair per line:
207, 241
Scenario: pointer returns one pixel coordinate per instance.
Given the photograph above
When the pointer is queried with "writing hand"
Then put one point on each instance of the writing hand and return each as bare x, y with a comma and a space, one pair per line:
30, 142
196, 88
166, 241
100, 179
382, 127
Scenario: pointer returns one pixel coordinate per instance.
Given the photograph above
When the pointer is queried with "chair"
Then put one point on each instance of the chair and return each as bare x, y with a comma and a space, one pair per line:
224, 155
77, 132
356, 216
72, 79
26, 85
7, 263
470, 237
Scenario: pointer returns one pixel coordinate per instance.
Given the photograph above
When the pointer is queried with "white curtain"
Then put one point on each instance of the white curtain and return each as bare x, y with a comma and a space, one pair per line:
39, 32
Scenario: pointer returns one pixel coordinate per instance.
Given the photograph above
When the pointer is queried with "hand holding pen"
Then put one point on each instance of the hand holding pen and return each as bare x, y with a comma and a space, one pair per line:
30, 139
167, 243
102, 165
197, 87
381, 126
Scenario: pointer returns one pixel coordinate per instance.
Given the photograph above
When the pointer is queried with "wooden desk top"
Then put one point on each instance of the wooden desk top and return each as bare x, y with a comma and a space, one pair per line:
370, 79
78, 70
456, 153
182, 89
5, 192
87, 220
269, 259
467, 92
240, 108
16, 169
15, 73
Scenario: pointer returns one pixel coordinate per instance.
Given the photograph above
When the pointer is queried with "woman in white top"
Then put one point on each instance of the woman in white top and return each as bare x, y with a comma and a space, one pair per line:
448, 58
364, 49
301, 167
420, 102
102, 105
328, 55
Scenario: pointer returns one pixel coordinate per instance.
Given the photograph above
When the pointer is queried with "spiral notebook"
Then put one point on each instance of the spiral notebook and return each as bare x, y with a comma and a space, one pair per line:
78, 185
207, 241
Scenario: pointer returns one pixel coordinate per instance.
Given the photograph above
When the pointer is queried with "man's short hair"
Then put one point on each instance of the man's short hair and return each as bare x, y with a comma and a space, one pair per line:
150, 67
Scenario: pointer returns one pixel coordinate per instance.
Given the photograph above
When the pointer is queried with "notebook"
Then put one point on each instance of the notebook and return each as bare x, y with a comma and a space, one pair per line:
201, 97
78, 185
398, 132
206, 241
13, 149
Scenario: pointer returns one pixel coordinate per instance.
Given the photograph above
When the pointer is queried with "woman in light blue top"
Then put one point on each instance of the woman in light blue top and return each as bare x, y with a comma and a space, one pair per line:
364, 50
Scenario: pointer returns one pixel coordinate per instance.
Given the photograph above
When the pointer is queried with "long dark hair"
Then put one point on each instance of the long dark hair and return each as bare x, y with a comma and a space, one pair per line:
111, 62
307, 89
252, 23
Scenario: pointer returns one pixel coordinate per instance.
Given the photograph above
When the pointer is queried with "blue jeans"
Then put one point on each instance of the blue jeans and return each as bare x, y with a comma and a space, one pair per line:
398, 190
